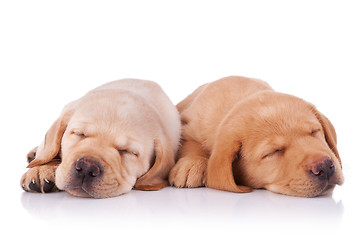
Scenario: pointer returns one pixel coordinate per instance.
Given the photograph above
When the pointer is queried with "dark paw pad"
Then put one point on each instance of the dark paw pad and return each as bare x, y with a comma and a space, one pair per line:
34, 186
31, 157
48, 186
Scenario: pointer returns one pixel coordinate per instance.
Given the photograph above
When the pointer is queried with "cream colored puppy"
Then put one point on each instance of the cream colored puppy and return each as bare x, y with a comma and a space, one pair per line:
119, 135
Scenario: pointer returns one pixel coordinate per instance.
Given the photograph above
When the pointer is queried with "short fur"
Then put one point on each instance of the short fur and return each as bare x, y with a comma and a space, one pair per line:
239, 134
129, 127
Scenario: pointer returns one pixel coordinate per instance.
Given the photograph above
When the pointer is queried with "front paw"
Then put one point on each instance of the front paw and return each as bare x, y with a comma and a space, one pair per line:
31, 155
188, 173
40, 179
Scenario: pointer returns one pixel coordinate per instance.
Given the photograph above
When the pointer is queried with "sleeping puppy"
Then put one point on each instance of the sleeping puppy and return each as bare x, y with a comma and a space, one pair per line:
120, 135
239, 134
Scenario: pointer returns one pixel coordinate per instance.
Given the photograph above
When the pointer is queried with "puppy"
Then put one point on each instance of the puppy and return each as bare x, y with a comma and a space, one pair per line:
120, 135
239, 134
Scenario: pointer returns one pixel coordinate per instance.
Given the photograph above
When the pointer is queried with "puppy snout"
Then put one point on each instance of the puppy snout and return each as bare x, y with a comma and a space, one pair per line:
323, 169
87, 168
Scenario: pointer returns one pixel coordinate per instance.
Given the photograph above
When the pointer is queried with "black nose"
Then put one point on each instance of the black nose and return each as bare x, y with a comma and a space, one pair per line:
87, 168
323, 169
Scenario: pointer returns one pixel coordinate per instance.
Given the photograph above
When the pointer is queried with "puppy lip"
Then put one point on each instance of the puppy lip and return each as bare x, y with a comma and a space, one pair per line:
337, 179
323, 188
79, 188
327, 190
79, 191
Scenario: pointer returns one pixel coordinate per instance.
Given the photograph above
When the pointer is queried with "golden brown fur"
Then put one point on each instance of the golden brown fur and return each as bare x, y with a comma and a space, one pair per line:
239, 134
120, 135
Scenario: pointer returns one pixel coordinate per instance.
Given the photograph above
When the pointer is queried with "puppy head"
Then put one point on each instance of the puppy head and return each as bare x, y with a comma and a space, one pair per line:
104, 156
278, 142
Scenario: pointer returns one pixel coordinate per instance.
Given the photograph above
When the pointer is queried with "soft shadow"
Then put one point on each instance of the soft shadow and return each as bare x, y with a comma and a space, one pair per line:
178, 205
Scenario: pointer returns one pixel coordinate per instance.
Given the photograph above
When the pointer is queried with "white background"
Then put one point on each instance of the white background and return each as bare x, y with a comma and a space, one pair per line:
52, 52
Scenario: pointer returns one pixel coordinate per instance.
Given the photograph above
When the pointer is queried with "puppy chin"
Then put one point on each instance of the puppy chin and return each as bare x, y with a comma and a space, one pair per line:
307, 193
78, 192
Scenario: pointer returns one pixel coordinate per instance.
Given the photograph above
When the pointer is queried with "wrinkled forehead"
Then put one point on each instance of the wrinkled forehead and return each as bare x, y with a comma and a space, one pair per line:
100, 123
283, 117
278, 128
113, 136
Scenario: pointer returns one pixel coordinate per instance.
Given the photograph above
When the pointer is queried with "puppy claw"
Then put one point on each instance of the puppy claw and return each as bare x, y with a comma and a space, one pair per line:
40, 179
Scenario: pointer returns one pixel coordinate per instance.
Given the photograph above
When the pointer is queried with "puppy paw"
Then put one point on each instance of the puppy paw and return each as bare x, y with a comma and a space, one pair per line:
40, 179
31, 155
188, 173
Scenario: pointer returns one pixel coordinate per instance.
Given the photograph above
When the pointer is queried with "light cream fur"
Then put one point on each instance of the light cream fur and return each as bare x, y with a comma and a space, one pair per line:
129, 126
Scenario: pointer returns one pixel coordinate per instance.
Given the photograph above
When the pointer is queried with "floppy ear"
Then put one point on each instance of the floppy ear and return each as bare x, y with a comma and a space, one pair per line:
219, 171
50, 147
156, 177
329, 130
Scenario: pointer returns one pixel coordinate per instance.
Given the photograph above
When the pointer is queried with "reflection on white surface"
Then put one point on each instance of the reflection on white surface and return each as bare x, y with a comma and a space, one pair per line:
187, 205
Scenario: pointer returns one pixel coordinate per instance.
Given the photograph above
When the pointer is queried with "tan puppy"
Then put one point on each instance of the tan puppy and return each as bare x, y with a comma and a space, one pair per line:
120, 135
239, 134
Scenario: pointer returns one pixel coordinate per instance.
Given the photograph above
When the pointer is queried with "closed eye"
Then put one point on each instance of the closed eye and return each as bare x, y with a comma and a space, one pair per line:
315, 132
126, 151
78, 133
274, 152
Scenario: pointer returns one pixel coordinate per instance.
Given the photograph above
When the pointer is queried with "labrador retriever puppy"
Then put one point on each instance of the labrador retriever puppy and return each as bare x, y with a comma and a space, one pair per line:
239, 134
120, 135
